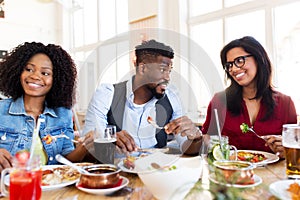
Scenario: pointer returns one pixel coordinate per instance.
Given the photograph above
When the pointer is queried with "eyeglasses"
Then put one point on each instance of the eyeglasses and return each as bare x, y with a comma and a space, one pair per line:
238, 62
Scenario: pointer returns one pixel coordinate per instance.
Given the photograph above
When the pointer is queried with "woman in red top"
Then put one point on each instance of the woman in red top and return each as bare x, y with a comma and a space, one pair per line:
250, 99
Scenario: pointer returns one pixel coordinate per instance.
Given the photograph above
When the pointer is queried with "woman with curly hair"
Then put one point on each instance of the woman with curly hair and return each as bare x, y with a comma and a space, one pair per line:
40, 82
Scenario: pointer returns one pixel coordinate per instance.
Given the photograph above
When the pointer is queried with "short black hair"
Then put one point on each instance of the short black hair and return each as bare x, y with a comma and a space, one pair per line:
152, 48
62, 93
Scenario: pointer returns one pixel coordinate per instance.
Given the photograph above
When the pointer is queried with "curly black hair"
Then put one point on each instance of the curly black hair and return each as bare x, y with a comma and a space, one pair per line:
151, 49
62, 93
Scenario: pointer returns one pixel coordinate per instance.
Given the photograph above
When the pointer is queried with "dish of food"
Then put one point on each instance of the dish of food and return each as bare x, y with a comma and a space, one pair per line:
105, 191
56, 176
259, 158
257, 180
280, 188
127, 164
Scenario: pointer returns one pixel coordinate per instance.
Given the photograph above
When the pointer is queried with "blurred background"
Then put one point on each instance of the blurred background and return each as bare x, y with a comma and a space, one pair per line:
101, 36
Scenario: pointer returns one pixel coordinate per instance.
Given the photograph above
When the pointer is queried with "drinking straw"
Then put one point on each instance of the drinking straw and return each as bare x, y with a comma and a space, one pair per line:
218, 127
35, 134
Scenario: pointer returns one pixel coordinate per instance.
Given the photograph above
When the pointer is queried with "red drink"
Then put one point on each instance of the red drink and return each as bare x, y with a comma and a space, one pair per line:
25, 185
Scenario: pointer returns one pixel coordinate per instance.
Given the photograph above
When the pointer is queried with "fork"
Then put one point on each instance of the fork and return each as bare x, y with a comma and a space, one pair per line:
54, 137
261, 137
153, 123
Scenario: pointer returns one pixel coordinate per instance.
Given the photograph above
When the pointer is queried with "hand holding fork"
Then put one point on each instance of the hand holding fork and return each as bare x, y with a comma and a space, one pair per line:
49, 138
179, 125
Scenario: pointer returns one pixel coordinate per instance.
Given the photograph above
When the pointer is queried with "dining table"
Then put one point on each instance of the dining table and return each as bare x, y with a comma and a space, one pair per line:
135, 189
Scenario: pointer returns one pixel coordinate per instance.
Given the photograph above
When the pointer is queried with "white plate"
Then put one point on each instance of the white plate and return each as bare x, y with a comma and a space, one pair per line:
106, 191
271, 158
154, 150
257, 181
124, 169
137, 154
279, 189
60, 185
48, 187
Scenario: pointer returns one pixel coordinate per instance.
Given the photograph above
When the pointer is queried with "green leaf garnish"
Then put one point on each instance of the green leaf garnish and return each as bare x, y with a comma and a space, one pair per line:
244, 127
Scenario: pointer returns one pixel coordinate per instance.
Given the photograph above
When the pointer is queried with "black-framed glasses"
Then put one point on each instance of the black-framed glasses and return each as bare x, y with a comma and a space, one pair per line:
238, 62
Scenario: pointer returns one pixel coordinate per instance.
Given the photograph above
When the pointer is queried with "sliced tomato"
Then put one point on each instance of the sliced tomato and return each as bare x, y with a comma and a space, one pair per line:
241, 158
255, 159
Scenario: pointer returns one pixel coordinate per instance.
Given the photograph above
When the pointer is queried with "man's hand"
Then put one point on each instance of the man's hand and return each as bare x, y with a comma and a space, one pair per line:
5, 159
184, 126
125, 142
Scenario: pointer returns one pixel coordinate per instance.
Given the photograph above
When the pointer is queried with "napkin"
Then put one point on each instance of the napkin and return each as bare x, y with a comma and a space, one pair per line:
143, 164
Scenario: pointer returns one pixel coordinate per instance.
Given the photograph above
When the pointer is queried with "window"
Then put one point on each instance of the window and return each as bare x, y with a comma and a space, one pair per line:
94, 23
287, 40
275, 24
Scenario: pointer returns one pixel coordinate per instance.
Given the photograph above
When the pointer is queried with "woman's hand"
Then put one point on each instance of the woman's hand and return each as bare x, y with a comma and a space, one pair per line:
5, 159
87, 141
275, 144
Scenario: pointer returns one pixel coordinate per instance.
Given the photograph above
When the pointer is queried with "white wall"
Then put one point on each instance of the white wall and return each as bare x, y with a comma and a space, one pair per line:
30, 20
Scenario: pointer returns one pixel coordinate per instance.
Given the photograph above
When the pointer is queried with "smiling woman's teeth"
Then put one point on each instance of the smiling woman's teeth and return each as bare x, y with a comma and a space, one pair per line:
239, 75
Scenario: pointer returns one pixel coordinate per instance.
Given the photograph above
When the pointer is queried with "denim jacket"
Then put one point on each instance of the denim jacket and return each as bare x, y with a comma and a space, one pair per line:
18, 127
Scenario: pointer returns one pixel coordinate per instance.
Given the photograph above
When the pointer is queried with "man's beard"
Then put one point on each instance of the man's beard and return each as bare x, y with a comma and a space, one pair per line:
156, 94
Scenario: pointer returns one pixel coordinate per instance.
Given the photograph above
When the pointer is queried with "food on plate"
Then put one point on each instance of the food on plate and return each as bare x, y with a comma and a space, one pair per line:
244, 127
48, 139
128, 162
58, 175
294, 189
251, 157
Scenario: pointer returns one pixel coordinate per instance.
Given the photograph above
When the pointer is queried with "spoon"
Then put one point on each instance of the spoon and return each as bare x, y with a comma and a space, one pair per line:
156, 165
65, 161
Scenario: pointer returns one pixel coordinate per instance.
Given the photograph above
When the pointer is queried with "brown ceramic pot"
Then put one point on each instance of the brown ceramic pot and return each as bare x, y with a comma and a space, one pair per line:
102, 176
234, 172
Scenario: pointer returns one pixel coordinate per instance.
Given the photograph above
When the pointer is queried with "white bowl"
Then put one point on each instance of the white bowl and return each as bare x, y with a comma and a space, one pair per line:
176, 183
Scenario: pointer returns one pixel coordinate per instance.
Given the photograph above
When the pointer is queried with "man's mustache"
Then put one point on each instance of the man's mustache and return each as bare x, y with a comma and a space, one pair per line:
163, 83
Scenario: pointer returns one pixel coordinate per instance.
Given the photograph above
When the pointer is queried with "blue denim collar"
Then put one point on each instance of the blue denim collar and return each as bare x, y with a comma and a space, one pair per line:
17, 108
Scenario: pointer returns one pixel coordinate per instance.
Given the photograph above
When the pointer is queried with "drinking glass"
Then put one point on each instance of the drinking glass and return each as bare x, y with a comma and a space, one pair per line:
224, 146
105, 145
24, 180
291, 144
